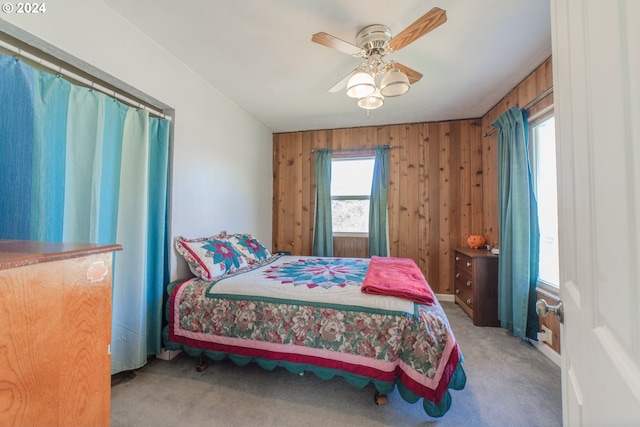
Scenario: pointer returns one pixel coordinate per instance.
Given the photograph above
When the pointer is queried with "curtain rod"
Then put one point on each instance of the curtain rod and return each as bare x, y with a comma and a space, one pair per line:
19, 53
529, 104
340, 150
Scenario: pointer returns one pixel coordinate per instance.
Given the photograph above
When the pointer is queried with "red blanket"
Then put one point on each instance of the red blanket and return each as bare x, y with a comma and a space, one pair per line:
397, 277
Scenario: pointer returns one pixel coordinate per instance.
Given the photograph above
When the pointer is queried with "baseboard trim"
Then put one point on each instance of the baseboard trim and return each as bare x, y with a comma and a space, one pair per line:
446, 297
547, 351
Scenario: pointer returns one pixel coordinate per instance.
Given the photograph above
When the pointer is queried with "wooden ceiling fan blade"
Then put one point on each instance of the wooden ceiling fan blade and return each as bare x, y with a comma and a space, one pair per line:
335, 43
342, 83
413, 75
426, 23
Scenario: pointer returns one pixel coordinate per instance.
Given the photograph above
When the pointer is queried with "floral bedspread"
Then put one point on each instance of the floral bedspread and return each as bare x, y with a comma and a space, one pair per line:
309, 313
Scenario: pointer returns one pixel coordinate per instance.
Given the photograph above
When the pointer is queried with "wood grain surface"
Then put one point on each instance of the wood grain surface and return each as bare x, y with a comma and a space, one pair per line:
56, 329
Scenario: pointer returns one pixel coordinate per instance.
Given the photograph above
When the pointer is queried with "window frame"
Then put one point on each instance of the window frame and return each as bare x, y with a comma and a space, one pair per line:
365, 155
534, 121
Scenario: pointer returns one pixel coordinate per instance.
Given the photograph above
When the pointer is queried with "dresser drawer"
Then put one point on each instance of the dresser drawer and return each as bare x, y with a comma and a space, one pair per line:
463, 280
465, 294
464, 287
463, 263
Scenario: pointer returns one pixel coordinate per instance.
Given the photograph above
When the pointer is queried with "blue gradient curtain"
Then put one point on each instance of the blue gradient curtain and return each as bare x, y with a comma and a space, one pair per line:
323, 229
78, 166
518, 221
378, 203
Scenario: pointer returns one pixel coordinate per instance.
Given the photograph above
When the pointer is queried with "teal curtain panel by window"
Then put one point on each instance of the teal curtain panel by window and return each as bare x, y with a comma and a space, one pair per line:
378, 204
323, 229
79, 166
518, 222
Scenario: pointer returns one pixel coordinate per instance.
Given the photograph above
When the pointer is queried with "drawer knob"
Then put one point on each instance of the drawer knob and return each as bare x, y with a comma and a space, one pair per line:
457, 274
457, 258
468, 264
457, 291
468, 282
469, 301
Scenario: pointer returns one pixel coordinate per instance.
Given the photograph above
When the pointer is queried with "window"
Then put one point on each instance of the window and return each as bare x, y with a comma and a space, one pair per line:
350, 191
543, 168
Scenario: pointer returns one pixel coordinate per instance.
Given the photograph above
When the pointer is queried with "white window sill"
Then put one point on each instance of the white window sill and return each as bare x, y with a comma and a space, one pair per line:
548, 289
358, 235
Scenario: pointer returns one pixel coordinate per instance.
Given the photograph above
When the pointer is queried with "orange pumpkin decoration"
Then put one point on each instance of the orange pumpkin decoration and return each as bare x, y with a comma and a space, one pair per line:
476, 241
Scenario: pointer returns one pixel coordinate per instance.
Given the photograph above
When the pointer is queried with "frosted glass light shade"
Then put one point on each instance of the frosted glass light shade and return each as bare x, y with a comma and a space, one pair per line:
371, 102
360, 84
395, 83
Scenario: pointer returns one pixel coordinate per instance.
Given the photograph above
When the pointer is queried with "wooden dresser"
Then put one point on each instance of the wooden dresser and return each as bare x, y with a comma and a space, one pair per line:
55, 312
475, 273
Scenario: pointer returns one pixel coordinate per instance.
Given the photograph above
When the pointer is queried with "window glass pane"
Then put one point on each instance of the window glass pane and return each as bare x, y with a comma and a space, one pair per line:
351, 186
350, 216
546, 192
351, 177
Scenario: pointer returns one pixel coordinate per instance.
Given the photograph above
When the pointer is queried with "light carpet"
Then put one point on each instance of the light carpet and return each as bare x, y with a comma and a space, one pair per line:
509, 383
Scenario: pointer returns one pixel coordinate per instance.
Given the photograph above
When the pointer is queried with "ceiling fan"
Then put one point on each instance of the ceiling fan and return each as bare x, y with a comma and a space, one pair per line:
372, 44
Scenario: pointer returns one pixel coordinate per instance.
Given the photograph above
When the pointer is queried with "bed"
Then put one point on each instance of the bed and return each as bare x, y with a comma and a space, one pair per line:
311, 314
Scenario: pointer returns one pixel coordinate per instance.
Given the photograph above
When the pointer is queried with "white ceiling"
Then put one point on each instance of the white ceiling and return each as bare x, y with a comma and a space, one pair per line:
259, 54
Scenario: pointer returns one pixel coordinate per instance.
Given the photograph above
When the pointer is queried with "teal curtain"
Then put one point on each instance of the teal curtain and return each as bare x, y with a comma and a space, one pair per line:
323, 230
378, 212
79, 166
518, 222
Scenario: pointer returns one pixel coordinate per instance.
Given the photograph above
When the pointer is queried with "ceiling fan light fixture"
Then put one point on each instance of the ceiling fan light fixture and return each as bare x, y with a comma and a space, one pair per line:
360, 85
371, 102
394, 83
373, 43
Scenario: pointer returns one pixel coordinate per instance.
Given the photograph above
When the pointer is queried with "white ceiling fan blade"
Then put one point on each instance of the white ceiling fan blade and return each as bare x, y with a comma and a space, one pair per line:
342, 83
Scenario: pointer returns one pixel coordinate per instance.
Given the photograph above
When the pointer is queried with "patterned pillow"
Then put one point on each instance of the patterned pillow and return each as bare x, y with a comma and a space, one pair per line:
210, 257
250, 248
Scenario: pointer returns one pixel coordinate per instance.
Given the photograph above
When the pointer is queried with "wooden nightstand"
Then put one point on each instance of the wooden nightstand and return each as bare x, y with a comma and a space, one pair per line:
475, 273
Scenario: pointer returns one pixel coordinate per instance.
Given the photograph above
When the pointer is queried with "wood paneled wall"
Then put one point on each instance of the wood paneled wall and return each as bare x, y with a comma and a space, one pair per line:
435, 190
526, 95
442, 185
350, 247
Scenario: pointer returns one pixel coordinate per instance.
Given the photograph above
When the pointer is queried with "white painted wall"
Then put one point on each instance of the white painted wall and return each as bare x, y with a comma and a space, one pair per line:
222, 157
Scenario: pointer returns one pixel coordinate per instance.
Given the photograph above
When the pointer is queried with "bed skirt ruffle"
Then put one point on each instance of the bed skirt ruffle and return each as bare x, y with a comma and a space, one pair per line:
433, 409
